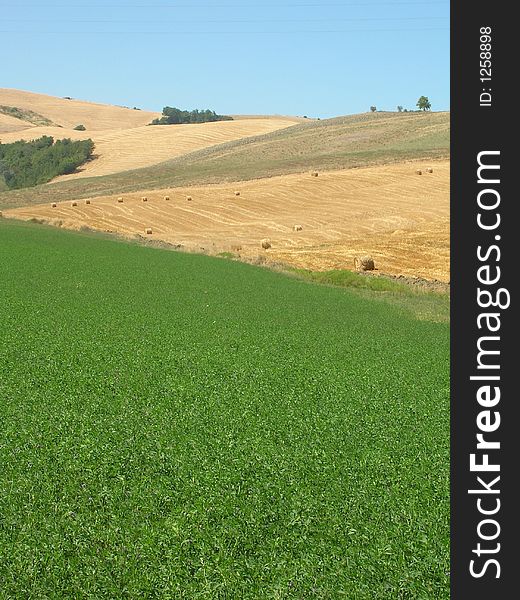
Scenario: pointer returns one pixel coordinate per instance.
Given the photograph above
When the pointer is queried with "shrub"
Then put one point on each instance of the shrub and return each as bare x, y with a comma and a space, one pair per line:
176, 116
80, 127
25, 164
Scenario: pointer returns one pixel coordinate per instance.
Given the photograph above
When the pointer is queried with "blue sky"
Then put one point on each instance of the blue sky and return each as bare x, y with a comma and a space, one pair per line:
298, 57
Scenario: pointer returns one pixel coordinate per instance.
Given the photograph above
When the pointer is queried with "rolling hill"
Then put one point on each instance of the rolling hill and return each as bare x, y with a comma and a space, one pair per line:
366, 200
122, 139
332, 144
389, 212
69, 113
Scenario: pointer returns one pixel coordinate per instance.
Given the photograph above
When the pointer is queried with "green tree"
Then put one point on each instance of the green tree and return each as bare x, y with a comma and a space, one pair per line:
423, 103
399, 108
174, 116
24, 164
373, 108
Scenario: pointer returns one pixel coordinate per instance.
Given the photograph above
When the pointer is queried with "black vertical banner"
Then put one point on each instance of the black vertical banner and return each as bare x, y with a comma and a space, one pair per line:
485, 434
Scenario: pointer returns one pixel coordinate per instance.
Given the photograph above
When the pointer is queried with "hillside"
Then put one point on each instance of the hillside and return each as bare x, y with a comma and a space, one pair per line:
340, 143
389, 212
9, 124
123, 140
179, 426
126, 149
69, 113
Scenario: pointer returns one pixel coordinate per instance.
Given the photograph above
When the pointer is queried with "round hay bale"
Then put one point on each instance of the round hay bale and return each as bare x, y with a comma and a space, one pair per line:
53, 205
167, 197
188, 198
429, 170
74, 203
297, 227
266, 244
148, 231
120, 199
87, 201
237, 193
144, 199
364, 263
418, 172
314, 173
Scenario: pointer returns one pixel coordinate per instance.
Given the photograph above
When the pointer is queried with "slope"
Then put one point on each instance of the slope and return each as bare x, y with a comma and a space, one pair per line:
178, 426
125, 149
69, 113
343, 142
390, 212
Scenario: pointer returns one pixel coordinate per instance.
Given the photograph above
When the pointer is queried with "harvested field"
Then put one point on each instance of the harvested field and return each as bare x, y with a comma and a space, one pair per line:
331, 144
9, 124
69, 113
399, 219
122, 137
126, 149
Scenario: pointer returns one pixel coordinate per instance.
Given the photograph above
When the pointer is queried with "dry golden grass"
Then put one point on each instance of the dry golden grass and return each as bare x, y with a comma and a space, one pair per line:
124, 150
9, 124
401, 220
123, 141
69, 113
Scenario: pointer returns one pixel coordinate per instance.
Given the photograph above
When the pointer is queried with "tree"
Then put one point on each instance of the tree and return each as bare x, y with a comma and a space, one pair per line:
373, 108
174, 116
399, 108
423, 103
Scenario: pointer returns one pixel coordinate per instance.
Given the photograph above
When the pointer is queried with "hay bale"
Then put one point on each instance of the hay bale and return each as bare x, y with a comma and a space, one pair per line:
144, 199
120, 199
266, 244
188, 198
297, 227
314, 173
53, 205
237, 193
167, 197
365, 263
429, 170
87, 201
418, 172
74, 203
148, 231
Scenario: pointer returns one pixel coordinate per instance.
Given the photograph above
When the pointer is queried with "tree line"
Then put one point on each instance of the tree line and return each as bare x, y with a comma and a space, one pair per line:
176, 116
25, 164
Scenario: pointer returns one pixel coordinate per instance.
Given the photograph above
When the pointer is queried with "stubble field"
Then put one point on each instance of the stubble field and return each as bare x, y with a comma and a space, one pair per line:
389, 211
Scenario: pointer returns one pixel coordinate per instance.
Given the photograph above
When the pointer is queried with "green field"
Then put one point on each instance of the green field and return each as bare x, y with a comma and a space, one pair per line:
339, 143
180, 426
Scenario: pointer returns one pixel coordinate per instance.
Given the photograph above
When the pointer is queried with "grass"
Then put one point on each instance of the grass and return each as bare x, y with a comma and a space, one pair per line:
25, 114
421, 302
343, 142
181, 426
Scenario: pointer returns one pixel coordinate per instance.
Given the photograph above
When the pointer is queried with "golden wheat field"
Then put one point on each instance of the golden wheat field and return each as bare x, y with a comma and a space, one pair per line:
122, 139
67, 113
323, 222
129, 149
